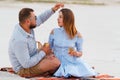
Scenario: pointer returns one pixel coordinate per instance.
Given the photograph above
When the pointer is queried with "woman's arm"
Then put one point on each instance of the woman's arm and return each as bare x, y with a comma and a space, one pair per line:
78, 45
51, 39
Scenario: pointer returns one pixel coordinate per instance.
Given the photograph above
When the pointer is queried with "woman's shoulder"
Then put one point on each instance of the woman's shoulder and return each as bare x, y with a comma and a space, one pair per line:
54, 30
79, 35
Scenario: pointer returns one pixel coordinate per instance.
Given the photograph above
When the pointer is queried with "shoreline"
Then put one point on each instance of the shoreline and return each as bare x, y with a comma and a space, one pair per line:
14, 3
82, 2
74, 2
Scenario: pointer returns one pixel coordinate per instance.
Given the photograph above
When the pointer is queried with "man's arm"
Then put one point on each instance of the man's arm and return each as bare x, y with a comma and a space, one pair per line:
44, 16
22, 54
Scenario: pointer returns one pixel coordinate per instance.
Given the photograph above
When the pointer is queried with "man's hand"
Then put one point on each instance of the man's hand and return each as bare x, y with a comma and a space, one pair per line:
39, 45
46, 48
57, 6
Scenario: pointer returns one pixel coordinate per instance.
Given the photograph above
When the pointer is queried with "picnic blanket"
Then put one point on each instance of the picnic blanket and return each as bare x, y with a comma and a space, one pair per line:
99, 77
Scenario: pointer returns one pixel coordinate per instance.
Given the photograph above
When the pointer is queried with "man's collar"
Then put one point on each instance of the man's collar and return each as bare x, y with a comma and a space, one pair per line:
24, 32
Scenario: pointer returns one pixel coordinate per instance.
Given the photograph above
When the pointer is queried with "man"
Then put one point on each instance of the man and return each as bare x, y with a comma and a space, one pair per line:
25, 58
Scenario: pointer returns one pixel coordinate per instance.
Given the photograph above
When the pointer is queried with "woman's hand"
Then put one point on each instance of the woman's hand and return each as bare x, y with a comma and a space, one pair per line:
75, 53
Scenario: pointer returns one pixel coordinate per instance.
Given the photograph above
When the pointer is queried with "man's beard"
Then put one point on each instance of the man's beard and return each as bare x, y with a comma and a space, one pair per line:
32, 26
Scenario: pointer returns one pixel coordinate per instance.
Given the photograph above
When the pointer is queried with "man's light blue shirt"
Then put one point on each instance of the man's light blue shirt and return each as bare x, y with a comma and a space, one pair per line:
23, 51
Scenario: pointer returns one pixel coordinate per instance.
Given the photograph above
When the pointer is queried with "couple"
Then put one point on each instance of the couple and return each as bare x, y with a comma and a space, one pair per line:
65, 42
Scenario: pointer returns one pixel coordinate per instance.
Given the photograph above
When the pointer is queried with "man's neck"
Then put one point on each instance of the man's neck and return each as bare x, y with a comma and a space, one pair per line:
26, 28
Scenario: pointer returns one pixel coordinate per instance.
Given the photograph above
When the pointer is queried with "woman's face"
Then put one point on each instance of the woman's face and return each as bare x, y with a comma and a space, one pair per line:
60, 19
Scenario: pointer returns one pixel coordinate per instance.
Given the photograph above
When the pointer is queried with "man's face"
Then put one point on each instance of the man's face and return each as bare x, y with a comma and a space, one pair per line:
33, 19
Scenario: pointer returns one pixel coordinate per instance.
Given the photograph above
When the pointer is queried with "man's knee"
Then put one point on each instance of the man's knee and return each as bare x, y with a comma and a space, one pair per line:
55, 63
54, 60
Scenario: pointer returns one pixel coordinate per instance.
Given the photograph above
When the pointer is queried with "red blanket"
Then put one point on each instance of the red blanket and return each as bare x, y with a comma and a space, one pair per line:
99, 77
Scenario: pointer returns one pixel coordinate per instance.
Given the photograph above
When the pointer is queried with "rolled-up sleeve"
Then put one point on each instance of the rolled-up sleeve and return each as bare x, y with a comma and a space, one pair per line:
22, 54
44, 16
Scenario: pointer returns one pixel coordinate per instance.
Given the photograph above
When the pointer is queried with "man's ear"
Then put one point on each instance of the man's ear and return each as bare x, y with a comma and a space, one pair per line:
27, 20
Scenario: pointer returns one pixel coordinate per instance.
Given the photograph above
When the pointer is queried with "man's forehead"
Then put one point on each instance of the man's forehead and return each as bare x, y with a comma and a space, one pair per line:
32, 14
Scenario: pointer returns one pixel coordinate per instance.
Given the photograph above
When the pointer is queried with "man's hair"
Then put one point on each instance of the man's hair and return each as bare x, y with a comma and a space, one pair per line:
24, 14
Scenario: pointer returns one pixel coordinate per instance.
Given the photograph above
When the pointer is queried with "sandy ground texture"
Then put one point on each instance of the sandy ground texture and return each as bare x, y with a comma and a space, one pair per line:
9, 76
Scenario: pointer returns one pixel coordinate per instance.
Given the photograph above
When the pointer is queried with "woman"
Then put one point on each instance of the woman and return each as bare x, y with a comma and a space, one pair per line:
66, 43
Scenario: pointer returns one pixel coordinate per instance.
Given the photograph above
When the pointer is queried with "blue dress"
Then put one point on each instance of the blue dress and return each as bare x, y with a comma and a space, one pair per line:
70, 65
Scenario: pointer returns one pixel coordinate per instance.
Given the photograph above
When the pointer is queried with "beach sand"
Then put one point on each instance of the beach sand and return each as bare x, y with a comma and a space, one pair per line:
8, 76
99, 26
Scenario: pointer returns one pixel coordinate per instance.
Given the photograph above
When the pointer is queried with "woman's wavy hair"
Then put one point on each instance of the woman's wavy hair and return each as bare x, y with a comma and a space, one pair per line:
69, 22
